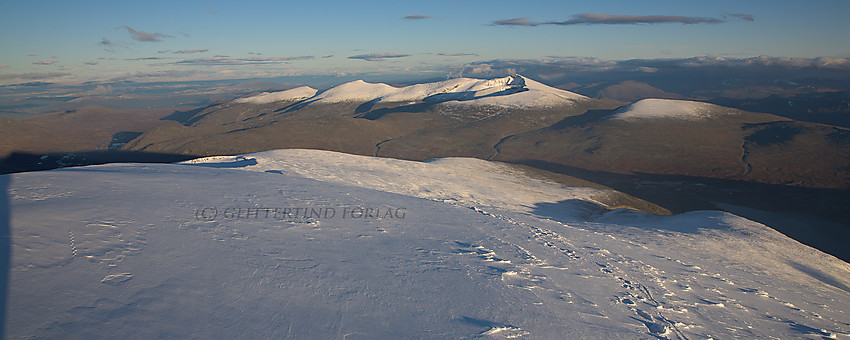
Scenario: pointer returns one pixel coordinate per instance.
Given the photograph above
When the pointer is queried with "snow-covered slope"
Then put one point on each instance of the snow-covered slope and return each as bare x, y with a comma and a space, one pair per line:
466, 181
537, 95
357, 90
315, 244
511, 91
671, 108
298, 93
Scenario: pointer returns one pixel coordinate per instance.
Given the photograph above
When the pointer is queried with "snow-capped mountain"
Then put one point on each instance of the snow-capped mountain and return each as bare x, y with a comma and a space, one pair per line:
671, 108
298, 93
511, 91
317, 244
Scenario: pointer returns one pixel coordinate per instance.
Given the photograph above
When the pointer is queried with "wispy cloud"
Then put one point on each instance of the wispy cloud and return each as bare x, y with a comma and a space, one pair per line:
378, 56
418, 17
33, 76
190, 51
157, 74
745, 17
146, 58
567, 68
45, 62
617, 19
210, 10
91, 63
515, 22
645, 69
820, 62
144, 36
224, 60
107, 44
446, 54
4, 66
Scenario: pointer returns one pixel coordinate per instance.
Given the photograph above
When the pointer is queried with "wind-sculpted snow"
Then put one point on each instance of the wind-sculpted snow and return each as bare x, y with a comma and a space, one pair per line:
314, 244
511, 91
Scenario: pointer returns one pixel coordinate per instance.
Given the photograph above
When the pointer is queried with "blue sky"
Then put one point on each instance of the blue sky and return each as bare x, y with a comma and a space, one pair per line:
100, 40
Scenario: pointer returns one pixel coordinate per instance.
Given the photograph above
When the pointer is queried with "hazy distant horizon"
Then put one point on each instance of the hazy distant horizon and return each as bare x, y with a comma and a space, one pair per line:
88, 41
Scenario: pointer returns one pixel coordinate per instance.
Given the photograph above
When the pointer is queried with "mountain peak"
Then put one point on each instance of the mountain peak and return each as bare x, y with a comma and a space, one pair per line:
670, 109
297, 93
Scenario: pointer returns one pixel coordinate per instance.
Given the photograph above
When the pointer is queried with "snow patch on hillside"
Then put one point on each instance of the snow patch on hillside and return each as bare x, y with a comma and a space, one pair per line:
670, 108
298, 93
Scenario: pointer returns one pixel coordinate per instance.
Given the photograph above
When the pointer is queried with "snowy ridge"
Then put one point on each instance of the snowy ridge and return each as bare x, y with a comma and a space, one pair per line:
511, 91
450, 248
671, 108
357, 90
538, 95
467, 181
298, 93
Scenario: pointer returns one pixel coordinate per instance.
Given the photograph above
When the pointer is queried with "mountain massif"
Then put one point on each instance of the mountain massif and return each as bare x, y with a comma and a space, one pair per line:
516, 119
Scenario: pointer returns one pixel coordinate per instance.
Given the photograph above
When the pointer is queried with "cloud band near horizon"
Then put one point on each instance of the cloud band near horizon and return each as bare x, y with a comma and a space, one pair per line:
378, 56
144, 36
617, 19
227, 61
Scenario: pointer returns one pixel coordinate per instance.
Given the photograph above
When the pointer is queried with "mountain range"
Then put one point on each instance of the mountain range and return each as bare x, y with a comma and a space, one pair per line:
516, 119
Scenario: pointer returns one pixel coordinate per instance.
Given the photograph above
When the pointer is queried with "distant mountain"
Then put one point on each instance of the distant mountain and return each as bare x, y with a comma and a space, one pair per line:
298, 93
360, 117
673, 110
514, 91
631, 90
663, 136
517, 119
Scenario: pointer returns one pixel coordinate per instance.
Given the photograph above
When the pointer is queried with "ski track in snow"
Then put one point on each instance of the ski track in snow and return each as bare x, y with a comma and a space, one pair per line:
620, 274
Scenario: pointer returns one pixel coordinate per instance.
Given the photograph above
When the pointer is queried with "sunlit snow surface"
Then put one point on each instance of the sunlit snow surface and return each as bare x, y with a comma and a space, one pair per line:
297, 93
511, 91
670, 108
470, 249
